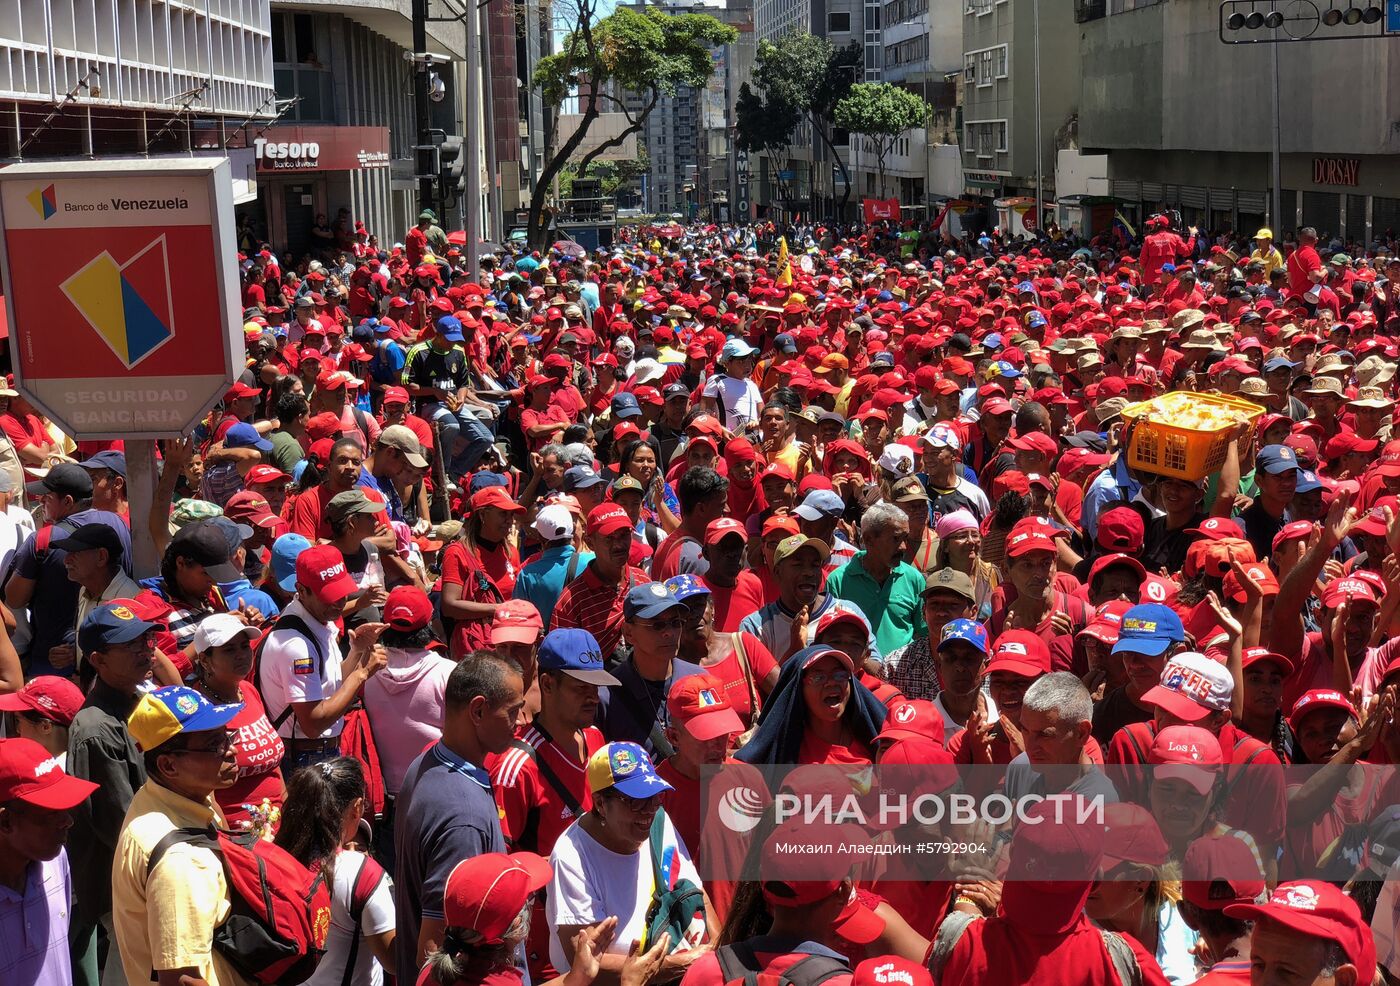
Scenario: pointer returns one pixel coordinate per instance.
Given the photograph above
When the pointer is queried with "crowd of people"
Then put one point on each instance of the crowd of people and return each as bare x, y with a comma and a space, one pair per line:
475, 574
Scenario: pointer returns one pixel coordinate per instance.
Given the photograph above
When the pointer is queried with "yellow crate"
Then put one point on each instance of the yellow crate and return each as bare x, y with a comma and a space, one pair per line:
1158, 443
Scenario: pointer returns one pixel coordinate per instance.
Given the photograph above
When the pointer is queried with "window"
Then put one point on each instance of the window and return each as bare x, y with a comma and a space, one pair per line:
838, 23
985, 65
978, 7
986, 138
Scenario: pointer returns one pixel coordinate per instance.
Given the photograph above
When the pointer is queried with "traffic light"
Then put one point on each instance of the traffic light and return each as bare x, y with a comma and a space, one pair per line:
452, 167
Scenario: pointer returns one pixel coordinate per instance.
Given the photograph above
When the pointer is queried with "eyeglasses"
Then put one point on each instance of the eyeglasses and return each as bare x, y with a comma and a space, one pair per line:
221, 747
661, 626
820, 678
639, 805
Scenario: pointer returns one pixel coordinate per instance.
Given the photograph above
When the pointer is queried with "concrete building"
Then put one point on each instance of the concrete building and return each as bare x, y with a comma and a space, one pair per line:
1185, 121
85, 78
716, 193
999, 147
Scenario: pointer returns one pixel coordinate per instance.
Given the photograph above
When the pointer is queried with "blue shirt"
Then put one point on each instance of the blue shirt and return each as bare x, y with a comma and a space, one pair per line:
242, 593
1108, 488
444, 813
541, 581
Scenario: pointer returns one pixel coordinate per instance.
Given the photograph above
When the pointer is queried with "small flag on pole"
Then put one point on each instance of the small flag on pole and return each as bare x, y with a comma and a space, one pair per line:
784, 262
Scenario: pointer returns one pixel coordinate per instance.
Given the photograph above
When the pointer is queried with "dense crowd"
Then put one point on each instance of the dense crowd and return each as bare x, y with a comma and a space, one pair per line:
474, 574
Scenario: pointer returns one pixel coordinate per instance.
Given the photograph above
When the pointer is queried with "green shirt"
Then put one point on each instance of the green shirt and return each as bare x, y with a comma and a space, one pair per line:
895, 608
286, 451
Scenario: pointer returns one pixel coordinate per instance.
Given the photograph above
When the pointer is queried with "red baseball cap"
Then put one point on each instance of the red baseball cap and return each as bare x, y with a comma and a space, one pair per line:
719, 529
1261, 575
1218, 528
323, 425
265, 474
607, 518
1020, 652
29, 774
1319, 909
821, 877
913, 719
1187, 753
395, 395
487, 893
321, 570
1348, 587
495, 496
890, 970
1103, 562
408, 608
247, 507
1318, 698
1259, 655
1026, 541
1131, 835
240, 390
516, 621
1121, 529
335, 380
1036, 441
1291, 531
1219, 871
698, 702
56, 699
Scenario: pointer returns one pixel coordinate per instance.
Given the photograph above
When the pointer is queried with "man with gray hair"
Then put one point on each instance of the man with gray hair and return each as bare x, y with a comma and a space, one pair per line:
1056, 721
880, 583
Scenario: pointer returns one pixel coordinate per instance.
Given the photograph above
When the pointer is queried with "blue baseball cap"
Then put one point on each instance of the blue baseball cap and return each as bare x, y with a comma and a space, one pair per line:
246, 436
284, 559
625, 405
1035, 320
485, 480
450, 328
364, 332
111, 623
109, 459
784, 343
1025, 287
1307, 481
1149, 628
575, 653
968, 631
1276, 459
820, 504
882, 358
992, 341
685, 587
581, 478
649, 600
1278, 363
1005, 369
626, 768
167, 712
1169, 268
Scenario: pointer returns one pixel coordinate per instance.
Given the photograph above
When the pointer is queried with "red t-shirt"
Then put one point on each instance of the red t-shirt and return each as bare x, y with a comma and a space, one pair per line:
478, 974
521, 790
1235, 972
731, 675
684, 804
259, 751
814, 749
486, 576
24, 430
1001, 749
552, 414
420, 428
665, 560
736, 602
307, 511
705, 971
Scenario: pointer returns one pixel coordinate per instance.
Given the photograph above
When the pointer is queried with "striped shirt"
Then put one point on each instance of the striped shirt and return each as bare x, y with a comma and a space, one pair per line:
34, 926
591, 604
522, 791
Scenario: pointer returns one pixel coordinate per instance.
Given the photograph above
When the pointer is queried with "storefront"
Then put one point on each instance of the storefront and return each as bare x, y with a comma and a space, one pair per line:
308, 171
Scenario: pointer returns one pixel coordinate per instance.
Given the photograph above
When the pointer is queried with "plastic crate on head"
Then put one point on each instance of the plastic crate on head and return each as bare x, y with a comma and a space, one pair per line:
1186, 435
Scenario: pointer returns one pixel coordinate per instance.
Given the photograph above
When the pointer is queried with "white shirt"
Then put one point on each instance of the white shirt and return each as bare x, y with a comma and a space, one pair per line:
741, 400
951, 725
291, 671
16, 524
376, 918
592, 883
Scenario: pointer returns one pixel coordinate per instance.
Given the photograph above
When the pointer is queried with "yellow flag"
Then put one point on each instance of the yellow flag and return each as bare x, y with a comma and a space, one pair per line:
784, 262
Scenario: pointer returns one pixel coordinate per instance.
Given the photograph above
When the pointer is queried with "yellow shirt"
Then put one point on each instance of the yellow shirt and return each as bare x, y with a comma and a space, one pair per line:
168, 921
843, 399
1272, 260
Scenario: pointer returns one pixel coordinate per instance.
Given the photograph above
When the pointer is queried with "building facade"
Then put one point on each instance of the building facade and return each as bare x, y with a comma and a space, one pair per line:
1186, 122
1001, 40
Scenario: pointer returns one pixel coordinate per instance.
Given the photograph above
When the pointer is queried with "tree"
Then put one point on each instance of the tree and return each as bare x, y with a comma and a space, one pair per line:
881, 112
766, 125
644, 52
811, 75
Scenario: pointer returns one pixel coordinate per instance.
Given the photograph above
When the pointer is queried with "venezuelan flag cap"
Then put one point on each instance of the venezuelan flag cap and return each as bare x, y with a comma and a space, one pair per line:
626, 767
165, 713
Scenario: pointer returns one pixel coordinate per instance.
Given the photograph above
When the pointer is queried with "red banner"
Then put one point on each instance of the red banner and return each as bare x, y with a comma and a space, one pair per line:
881, 210
294, 148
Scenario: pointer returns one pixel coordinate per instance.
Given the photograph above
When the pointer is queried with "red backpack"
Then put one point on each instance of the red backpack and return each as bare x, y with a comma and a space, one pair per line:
280, 915
357, 740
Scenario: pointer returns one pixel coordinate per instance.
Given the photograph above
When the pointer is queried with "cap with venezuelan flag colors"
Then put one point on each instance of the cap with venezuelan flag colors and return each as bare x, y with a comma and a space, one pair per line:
167, 712
626, 767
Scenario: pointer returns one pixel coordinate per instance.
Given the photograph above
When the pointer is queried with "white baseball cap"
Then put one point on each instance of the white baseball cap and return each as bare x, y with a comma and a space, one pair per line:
554, 522
897, 459
218, 629
1192, 687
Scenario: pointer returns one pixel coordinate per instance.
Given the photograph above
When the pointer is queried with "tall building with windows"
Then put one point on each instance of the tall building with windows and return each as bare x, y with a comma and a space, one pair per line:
999, 46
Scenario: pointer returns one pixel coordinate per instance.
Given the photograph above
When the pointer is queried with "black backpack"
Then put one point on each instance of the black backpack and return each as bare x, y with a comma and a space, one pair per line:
739, 962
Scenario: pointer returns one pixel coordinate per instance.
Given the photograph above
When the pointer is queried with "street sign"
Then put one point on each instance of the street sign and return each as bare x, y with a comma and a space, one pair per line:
121, 283
1392, 16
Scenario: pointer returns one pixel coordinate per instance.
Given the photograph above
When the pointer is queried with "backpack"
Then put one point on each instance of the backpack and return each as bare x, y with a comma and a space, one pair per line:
280, 914
739, 962
1120, 953
43, 537
287, 621
367, 880
357, 741
675, 901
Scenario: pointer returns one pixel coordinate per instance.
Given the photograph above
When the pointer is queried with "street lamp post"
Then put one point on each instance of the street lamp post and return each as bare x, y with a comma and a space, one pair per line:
1039, 147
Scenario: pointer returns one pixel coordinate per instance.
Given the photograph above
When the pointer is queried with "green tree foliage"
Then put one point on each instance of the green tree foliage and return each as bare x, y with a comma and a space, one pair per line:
646, 52
881, 112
